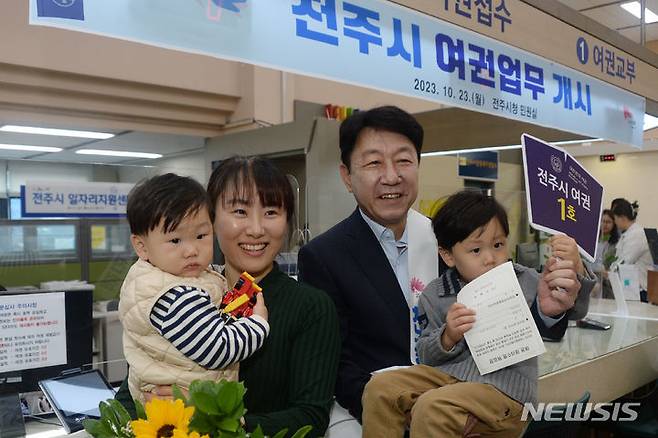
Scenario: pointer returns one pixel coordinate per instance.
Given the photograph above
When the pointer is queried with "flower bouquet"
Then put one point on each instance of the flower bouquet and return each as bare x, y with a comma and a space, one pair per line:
212, 410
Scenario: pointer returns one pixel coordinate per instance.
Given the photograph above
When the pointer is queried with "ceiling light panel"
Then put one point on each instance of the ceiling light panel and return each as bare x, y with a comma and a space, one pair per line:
111, 153
635, 9
29, 148
650, 122
56, 132
465, 151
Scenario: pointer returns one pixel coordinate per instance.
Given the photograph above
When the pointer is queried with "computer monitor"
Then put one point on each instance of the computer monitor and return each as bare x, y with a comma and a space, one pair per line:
652, 239
20, 375
527, 254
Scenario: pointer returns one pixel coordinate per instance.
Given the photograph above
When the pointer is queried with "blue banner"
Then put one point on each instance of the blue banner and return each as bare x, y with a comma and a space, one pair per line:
378, 44
479, 165
63, 199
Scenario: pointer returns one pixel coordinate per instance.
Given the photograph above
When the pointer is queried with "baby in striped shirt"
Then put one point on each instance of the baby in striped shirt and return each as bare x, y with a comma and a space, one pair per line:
173, 331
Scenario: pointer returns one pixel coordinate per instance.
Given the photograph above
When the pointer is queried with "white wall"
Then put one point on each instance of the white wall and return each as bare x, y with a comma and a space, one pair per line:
3, 178
18, 172
631, 176
193, 165
13, 174
438, 179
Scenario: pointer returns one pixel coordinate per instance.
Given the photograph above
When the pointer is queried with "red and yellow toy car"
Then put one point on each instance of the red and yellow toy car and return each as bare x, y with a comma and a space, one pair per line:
240, 300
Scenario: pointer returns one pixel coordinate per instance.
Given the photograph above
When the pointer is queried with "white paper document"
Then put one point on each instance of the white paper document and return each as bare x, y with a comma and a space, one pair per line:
504, 332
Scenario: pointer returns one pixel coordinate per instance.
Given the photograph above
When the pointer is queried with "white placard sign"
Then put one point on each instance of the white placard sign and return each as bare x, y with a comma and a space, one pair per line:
32, 331
504, 332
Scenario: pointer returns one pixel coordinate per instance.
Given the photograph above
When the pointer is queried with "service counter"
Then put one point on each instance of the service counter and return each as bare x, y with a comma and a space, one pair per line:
607, 363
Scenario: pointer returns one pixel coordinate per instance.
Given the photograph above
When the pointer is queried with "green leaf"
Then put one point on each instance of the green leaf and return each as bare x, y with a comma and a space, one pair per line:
202, 386
242, 390
205, 402
228, 424
178, 394
239, 411
302, 432
139, 409
104, 430
109, 417
93, 427
258, 433
122, 414
202, 424
281, 434
107, 413
228, 398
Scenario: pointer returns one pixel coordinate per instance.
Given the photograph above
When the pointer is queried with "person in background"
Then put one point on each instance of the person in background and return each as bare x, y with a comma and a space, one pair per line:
632, 248
606, 251
290, 380
612, 207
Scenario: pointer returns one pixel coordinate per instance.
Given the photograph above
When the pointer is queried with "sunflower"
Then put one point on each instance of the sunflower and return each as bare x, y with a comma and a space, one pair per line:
180, 434
163, 419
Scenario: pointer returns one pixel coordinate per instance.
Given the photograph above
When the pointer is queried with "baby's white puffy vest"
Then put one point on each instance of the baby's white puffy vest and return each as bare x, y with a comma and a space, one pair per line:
154, 360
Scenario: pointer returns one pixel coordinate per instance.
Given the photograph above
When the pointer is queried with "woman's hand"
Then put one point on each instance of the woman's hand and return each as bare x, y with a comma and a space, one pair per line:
259, 307
459, 320
163, 392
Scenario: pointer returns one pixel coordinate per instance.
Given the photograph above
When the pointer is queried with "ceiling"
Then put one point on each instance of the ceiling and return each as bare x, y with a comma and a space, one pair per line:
454, 128
445, 129
167, 145
611, 15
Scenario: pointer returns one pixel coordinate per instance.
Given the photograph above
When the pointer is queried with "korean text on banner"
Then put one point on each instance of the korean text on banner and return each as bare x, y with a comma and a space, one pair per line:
377, 44
478, 165
63, 199
563, 198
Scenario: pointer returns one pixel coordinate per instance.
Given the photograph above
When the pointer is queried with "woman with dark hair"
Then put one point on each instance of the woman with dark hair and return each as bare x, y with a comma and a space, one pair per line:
605, 251
632, 248
290, 380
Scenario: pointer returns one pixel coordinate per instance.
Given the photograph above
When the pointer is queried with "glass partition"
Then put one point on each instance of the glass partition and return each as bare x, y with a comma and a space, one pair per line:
110, 239
55, 238
110, 255
11, 240
39, 241
40, 250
